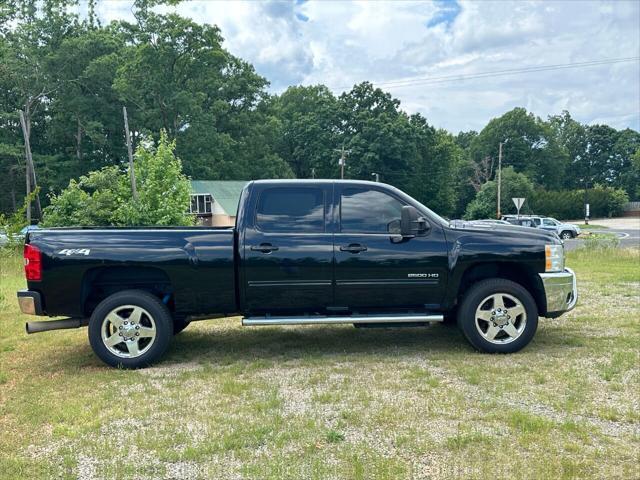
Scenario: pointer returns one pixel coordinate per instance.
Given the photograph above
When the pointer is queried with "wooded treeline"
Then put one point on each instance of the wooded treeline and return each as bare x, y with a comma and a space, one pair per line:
71, 76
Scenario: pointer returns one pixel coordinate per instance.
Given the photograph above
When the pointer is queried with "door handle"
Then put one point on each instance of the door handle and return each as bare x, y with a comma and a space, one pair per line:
353, 248
264, 248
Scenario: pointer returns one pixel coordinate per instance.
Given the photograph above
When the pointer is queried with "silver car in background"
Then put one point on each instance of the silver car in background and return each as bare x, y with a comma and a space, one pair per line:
563, 230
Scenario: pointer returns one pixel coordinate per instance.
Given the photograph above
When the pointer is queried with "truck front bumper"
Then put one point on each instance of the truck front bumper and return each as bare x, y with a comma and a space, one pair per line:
561, 291
30, 302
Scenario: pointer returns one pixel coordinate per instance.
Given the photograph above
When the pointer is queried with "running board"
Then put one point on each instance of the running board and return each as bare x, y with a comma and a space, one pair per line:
330, 320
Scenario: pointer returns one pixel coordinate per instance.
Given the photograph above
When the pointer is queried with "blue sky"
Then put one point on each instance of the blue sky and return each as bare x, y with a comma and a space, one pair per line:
340, 43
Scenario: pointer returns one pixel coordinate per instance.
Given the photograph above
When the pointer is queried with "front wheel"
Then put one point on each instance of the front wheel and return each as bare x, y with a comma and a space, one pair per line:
566, 235
498, 316
130, 329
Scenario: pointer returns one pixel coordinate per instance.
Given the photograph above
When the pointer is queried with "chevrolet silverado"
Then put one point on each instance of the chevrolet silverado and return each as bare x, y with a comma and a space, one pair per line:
301, 252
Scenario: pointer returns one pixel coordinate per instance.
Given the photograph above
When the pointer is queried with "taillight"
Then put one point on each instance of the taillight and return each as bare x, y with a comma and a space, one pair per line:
32, 263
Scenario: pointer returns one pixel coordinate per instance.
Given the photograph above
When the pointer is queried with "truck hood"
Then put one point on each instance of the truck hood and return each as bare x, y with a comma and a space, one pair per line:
510, 231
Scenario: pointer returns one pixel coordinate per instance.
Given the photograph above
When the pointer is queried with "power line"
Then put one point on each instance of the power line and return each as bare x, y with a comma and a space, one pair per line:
498, 73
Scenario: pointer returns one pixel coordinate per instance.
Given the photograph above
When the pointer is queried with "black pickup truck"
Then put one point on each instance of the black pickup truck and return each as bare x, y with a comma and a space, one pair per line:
302, 252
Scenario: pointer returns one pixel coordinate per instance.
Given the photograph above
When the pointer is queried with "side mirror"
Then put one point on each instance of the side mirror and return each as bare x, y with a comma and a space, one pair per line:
411, 223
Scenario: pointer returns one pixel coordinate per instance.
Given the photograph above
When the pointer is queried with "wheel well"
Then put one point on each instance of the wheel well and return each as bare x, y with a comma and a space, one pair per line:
518, 273
100, 283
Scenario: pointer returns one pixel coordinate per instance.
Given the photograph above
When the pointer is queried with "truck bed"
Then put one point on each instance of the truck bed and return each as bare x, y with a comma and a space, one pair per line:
192, 267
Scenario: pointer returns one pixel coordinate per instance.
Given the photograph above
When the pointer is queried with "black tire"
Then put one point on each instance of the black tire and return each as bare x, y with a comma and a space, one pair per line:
154, 308
566, 235
474, 299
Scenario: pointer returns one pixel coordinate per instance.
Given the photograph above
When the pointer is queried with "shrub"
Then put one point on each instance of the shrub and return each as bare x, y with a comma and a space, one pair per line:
569, 204
601, 241
103, 197
513, 185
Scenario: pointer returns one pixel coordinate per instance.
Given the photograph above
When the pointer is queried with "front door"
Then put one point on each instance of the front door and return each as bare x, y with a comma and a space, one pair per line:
549, 224
288, 249
375, 268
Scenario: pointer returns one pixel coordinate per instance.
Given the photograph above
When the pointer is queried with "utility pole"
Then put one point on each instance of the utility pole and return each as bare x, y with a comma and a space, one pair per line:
132, 173
377, 175
343, 159
32, 183
313, 173
499, 176
28, 190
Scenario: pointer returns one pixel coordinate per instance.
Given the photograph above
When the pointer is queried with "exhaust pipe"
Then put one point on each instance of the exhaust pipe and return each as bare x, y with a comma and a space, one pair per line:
35, 327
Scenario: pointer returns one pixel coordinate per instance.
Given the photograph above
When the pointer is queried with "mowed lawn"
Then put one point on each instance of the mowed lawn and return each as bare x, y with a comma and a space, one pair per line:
334, 401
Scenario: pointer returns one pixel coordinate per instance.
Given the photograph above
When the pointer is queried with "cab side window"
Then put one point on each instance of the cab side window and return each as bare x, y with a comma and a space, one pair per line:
369, 211
291, 210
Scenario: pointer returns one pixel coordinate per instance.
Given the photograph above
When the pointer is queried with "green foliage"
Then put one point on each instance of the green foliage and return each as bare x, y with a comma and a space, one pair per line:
308, 130
72, 76
11, 225
569, 204
529, 147
103, 197
513, 185
601, 241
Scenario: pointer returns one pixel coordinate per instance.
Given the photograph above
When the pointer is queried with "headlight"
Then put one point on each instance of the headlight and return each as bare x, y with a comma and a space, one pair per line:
554, 258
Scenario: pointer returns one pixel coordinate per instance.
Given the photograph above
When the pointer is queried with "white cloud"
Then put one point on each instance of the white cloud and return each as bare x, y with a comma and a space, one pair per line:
341, 43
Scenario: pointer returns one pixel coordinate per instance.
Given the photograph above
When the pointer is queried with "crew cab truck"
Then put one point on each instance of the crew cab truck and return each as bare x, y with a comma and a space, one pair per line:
301, 252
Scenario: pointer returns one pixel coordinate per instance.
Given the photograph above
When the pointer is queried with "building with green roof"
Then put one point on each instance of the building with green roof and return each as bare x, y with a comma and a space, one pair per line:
215, 202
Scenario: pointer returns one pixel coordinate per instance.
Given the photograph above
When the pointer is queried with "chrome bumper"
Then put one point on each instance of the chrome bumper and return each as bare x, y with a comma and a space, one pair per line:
561, 291
30, 302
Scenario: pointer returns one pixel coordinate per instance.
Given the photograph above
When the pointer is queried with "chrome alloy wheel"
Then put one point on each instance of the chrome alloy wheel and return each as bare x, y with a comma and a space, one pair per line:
500, 318
128, 331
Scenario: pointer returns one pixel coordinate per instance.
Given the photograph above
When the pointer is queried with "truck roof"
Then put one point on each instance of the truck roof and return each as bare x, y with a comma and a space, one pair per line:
318, 180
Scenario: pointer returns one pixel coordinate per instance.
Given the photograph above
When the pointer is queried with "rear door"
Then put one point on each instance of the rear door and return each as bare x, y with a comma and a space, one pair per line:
288, 249
375, 268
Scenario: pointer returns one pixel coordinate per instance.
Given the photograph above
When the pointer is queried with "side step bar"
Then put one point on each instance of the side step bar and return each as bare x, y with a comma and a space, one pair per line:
330, 320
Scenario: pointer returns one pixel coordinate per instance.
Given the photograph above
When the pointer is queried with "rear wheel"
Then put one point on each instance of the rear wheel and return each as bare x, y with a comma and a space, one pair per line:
498, 315
130, 329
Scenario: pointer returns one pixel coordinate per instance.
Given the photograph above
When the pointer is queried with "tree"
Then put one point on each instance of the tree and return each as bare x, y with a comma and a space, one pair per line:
103, 197
529, 147
626, 164
634, 176
308, 134
201, 95
571, 137
514, 184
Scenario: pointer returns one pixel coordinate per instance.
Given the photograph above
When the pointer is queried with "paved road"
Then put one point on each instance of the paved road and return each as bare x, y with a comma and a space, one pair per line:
627, 230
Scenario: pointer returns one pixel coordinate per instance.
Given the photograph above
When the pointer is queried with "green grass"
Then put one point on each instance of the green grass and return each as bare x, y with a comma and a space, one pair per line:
591, 226
333, 401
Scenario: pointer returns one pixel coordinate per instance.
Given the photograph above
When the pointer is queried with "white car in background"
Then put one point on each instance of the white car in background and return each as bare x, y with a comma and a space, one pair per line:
565, 231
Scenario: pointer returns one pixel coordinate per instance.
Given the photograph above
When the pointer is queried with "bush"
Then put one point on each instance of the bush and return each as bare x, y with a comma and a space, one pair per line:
569, 204
513, 185
601, 241
12, 225
103, 197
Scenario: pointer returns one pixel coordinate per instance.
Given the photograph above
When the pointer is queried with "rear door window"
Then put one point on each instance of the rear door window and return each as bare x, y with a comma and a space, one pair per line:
291, 210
